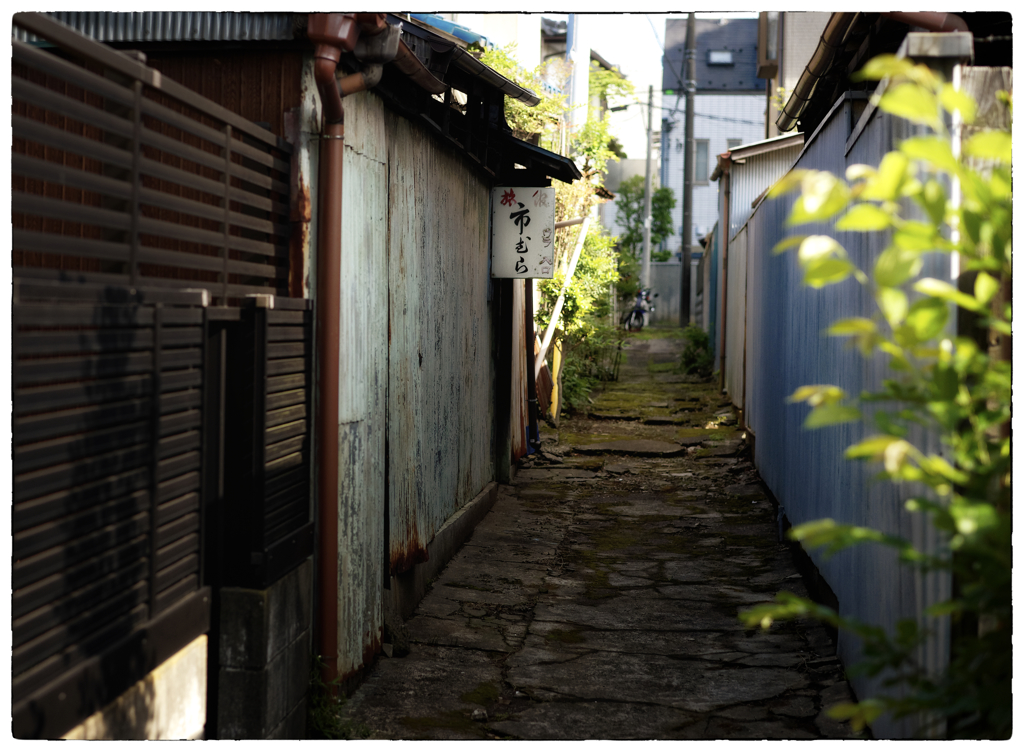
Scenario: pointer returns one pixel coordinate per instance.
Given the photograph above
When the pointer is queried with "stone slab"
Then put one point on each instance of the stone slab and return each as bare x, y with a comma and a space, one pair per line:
685, 684
633, 448
593, 720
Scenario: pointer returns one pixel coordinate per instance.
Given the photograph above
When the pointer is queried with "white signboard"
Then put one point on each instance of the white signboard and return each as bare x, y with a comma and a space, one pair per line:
523, 232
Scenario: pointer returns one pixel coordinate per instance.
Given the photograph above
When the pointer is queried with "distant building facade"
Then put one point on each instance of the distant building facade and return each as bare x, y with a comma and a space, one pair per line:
729, 110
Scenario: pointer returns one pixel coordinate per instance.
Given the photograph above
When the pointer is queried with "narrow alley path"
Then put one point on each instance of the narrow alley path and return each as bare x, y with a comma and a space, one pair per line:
598, 598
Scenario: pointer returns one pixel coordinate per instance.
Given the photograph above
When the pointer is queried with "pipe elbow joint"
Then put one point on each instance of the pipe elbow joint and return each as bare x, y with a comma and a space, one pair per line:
372, 75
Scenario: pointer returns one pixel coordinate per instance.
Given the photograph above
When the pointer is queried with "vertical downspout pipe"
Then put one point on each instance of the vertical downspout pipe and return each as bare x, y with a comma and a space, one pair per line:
332, 33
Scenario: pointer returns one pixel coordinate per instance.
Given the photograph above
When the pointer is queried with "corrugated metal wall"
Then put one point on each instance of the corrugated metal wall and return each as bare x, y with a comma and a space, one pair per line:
786, 348
666, 281
749, 179
440, 374
363, 356
174, 26
416, 356
736, 318
713, 291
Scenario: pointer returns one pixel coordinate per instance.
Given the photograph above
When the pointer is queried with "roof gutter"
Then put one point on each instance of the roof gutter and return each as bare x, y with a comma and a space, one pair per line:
471, 65
930, 21
832, 39
830, 42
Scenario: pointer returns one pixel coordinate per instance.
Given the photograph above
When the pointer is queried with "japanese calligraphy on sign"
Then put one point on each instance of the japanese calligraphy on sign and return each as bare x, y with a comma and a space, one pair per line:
522, 232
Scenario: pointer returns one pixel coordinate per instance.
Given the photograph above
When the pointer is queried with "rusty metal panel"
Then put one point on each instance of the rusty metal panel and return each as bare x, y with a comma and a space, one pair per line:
440, 369
363, 383
806, 471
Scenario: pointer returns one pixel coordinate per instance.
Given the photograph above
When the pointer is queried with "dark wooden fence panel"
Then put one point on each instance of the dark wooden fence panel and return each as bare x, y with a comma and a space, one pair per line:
150, 230
121, 176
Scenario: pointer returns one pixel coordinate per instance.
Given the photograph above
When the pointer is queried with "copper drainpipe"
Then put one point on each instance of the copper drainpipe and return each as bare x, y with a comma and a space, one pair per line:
333, 33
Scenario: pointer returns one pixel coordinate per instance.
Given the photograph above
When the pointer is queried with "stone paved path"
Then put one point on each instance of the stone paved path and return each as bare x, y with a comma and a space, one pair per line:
598, 598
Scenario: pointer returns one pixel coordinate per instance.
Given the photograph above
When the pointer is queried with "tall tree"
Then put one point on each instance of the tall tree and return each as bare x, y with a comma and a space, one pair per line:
630, 213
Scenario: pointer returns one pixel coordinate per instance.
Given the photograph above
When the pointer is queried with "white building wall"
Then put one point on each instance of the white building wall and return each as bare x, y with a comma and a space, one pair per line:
800, 34
717, 118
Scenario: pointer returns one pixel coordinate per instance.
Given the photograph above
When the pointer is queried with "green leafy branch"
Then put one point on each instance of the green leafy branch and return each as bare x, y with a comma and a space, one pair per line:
950, 385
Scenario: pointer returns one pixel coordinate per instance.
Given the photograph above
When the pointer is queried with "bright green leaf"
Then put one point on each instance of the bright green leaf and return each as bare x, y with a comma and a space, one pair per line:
927, 318
910, 101
828, 415
871, 447
823, 195
985, 287
786, 243
817, 394
787, 183
886, 184
864, 218
859, 171
882, 66
932, 149
816, 247
895, 266
957, 101
990, 145
896, 454
828, 271
933, 199
939, 289
854, 326
893, 303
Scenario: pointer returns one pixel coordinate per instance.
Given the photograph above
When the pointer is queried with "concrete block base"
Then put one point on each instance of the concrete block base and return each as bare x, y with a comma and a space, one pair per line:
264, 658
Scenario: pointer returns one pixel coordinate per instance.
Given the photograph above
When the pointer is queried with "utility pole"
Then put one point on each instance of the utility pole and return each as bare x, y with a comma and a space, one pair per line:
691, 84
645, 265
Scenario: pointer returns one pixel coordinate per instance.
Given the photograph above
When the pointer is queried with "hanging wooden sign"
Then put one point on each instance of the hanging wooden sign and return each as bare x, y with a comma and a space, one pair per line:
523, 232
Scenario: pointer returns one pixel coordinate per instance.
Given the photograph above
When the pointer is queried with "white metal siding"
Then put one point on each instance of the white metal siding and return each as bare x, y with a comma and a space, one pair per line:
750, 179
801, 33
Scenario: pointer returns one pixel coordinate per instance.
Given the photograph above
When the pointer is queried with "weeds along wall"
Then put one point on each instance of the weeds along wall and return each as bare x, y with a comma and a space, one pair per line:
786, 348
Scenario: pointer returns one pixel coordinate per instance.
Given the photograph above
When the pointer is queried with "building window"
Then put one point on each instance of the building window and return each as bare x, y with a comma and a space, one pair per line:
700, 161
719, 57
732, 143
